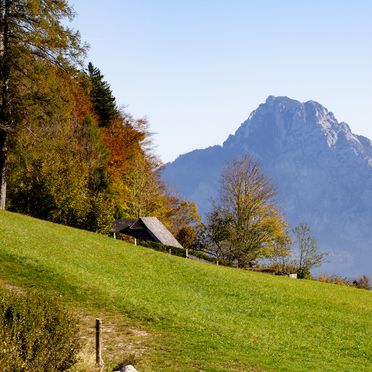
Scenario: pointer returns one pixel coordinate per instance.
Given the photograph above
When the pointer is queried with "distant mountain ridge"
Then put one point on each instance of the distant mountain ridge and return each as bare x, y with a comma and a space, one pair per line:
322, 171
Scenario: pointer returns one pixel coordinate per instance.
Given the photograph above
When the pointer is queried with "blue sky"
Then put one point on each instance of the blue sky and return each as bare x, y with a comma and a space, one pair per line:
197, 68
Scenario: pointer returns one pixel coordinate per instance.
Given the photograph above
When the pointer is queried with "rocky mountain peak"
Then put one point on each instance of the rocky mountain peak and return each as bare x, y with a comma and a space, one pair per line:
282, 120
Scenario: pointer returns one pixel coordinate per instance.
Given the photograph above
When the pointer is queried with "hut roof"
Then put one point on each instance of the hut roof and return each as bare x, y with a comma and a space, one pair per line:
160, 231
152, 225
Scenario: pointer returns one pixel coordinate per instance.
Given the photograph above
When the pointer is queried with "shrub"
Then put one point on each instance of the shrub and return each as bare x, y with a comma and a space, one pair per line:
283, 268
335, 279
204, 256
304, 273
181, 252
362, 282
36, 333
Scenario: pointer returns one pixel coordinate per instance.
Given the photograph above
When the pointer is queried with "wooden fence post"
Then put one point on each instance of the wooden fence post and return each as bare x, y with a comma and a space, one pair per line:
187, 253
98, 342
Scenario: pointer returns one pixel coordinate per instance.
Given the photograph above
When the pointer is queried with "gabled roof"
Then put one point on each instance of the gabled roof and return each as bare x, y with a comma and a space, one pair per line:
154, 227
160, 231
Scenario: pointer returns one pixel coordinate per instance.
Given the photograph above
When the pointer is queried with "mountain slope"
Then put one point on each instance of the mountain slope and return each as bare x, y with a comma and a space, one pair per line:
323, 173
181, 315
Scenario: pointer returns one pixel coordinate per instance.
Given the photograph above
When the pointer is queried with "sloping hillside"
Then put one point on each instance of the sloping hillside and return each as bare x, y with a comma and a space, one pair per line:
178, 314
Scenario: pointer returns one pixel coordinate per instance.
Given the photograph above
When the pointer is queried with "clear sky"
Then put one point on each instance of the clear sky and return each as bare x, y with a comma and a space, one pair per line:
197, 68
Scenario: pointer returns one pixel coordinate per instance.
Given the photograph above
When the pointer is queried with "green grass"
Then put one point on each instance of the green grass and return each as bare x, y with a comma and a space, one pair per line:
180, 315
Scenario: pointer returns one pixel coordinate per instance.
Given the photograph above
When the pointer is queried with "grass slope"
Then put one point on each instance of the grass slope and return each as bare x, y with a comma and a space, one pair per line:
188, 315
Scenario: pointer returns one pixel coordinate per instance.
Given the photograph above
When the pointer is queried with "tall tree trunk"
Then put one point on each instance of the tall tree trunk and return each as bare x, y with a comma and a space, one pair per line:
3, 161
5, 110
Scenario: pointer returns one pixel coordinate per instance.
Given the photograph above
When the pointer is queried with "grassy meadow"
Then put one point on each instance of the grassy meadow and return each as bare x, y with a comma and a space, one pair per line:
165, 313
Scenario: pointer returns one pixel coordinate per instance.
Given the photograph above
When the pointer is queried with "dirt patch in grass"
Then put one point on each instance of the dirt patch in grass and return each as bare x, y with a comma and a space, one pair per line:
11, 287
121, 343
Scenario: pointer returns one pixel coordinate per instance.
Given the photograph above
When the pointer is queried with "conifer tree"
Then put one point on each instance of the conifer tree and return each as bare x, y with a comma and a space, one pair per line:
102, 98
31, 32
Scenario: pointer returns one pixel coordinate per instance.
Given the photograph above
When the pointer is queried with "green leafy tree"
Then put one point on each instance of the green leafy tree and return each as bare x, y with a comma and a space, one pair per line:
308, 254
217, 235
32, 32
102, 98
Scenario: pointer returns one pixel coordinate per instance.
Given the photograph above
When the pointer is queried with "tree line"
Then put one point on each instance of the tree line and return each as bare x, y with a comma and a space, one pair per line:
68, 154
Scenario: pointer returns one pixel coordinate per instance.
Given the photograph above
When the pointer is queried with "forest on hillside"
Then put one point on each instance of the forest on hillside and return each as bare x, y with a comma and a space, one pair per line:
69, 154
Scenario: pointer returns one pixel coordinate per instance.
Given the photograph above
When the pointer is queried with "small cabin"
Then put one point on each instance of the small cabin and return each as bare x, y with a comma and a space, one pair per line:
146, 229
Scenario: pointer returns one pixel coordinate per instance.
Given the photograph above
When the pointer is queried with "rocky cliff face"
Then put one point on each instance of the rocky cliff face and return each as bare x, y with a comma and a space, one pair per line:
322, 171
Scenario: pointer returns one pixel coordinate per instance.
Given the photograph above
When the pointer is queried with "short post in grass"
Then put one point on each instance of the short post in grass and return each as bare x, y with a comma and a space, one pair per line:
187, 253
98, 342
170, 251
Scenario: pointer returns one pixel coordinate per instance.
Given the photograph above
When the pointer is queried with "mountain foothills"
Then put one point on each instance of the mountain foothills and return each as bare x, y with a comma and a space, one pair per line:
322, 171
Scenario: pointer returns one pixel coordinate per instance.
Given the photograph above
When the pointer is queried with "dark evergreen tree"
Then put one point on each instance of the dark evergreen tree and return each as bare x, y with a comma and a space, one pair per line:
102, 98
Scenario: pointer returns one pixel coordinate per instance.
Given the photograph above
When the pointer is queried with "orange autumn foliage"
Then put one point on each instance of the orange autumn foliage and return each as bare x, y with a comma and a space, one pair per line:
123, 142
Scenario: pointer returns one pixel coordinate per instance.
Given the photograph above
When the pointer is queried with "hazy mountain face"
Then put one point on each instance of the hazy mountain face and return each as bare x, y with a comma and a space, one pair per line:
322, 171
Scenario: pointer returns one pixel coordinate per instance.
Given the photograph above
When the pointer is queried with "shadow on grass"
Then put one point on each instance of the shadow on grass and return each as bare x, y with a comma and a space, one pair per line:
27, 272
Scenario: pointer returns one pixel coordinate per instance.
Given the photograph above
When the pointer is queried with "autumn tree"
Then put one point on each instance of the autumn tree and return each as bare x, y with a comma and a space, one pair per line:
251, 225
134, 173
179, 213
186, 236
281, 256
308, 254
123, 140
32, 32
145, 191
